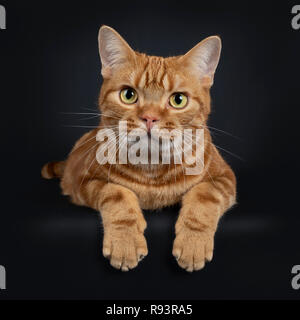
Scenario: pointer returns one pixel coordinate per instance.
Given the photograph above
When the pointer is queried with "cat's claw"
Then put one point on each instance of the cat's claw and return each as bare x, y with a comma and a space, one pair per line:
124, 248
192, 249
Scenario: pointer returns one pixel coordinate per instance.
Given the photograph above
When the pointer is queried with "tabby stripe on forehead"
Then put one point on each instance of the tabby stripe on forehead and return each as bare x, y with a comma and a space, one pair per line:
143, 76
170, 83
163, 73
161, 82
165, 82
142, 81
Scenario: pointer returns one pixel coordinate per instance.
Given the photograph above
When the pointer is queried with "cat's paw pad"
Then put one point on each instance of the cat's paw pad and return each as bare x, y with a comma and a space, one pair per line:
193, 248
125, 248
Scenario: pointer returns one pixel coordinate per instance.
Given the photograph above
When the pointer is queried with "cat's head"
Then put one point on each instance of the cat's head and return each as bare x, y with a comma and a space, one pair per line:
155, 92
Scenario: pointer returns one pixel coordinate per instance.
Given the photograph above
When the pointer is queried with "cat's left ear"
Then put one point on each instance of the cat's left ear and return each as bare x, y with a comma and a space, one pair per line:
203, 59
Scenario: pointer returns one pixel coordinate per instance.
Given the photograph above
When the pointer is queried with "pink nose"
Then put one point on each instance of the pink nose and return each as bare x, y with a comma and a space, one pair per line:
149, 121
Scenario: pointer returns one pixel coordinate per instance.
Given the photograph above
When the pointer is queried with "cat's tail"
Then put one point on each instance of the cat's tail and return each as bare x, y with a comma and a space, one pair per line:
53, 170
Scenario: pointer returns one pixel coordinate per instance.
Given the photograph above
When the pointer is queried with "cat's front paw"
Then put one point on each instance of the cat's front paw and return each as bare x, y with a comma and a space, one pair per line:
125, 247
192, 248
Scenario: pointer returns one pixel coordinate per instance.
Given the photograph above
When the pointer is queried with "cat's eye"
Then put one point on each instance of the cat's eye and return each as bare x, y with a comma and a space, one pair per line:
128, 96
178, 100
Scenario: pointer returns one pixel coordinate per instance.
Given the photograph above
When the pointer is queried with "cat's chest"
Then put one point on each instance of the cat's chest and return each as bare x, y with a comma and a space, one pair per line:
155, 197
158, 194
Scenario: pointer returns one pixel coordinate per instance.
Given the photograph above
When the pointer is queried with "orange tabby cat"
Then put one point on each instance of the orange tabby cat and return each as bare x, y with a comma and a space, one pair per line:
151, 92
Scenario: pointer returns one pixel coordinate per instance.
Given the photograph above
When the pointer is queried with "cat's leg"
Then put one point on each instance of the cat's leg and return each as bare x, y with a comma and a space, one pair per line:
202, 207
124, 243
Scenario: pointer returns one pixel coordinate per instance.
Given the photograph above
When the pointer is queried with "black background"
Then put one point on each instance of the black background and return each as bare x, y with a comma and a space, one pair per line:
49, 64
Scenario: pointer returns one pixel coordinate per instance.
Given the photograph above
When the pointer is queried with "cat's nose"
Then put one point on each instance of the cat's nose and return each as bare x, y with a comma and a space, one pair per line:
149, 121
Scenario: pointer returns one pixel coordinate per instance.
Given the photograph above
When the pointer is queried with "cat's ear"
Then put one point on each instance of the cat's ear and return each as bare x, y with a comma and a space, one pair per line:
203, 59
113, 49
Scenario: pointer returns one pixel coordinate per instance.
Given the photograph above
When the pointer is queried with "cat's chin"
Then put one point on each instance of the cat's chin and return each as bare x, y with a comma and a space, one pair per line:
149, 166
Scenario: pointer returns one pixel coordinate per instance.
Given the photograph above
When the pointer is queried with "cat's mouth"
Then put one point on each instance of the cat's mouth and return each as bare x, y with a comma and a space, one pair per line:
155, 144
147, 136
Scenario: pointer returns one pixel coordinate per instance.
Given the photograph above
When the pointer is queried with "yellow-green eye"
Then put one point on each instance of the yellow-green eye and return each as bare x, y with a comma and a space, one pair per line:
178, 100
128, 96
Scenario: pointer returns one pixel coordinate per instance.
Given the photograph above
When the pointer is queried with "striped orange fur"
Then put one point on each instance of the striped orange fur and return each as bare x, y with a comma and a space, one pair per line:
120, 192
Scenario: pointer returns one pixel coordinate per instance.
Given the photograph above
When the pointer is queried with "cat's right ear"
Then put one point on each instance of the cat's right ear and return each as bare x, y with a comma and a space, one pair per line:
113, 49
